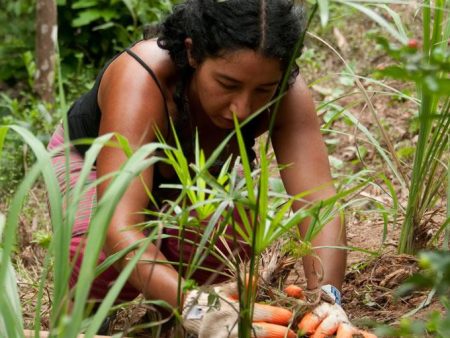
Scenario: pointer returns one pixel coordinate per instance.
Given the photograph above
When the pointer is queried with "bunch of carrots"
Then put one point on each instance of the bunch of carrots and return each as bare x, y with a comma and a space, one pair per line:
310, 324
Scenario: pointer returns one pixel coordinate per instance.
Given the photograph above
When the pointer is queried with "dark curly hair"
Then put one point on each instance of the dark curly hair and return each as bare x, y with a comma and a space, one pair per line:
271, 27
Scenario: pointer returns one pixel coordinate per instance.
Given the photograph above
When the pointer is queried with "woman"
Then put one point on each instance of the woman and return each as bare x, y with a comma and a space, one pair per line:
212, 59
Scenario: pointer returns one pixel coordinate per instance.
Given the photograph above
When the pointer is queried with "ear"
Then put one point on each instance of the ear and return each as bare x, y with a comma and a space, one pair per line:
188, 45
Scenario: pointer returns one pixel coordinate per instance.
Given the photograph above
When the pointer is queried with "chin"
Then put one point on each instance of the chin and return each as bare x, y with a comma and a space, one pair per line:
227, 126
222, 123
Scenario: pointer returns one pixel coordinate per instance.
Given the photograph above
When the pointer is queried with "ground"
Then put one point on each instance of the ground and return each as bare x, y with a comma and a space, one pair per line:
371, 279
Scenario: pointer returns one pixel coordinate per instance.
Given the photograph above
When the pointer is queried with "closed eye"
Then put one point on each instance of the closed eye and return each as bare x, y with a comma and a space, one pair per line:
228, 86
265, 90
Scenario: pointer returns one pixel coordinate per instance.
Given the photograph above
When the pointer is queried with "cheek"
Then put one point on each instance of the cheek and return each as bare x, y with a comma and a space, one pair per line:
213, 99
264, 99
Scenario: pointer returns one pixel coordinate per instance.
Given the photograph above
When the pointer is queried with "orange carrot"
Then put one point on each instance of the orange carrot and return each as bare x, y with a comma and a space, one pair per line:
271, 314
349, 331
309, 323
326, 329
267, 330
367, 334
346, 331
294, 291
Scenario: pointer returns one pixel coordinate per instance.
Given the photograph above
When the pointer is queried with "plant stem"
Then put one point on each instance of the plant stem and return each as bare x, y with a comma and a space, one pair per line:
412, 218
447, 230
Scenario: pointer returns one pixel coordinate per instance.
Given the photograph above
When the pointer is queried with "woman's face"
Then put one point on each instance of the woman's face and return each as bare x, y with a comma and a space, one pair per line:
238, 82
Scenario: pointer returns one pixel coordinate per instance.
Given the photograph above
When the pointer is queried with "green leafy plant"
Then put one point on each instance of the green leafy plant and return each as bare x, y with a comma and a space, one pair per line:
60, 322
33, 115
264, 224
101, 28
264, 209
207, 204
426, 64
16, 39
428, 68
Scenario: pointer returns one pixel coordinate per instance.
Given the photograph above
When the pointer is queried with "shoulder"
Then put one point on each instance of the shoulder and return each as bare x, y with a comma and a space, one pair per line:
157, 59
129, 98
297, 107
128, 68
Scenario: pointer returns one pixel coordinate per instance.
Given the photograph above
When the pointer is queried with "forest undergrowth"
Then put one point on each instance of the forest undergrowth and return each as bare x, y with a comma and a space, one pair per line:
373, 216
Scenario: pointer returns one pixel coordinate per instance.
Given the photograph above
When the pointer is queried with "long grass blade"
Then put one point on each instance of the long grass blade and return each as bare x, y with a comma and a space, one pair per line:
10, 310
378, 19
42, 283
397, 169
324, 11
121, 280
206, 242
426, 25
372, 140
263, 191
8, 242
82, 186
3, 132
397, 20
97, 230
437, 24
446, 32
245, 161
447, 228
62, 236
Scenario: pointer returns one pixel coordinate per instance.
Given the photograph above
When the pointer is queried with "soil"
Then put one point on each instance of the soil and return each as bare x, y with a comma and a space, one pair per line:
371, 279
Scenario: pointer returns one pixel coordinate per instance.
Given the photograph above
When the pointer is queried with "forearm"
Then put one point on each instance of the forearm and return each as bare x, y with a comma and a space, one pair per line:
154, 279
329, 267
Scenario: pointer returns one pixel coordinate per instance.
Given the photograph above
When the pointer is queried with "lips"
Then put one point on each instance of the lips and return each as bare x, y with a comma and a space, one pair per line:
228, 122
223, 122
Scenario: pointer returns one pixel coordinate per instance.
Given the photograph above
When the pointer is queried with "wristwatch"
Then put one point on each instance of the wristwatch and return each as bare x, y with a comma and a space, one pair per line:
331, 294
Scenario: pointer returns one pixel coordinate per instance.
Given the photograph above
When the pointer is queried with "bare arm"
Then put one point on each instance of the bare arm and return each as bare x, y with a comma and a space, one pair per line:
132, 105
297, 141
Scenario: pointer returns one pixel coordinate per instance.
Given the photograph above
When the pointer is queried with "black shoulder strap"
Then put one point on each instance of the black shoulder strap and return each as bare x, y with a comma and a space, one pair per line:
152, 74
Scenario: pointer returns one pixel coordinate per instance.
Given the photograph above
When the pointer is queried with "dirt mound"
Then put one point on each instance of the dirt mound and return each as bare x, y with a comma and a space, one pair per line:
370, 292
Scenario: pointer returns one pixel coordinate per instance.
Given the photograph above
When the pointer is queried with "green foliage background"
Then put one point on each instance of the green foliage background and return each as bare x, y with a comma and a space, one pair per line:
16, 39
90, 32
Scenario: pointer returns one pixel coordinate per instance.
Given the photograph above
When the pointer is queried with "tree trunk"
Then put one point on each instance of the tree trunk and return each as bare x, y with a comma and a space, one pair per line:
46, 38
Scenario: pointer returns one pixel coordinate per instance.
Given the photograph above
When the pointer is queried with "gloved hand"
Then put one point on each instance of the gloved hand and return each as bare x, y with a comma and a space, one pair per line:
328, 318
214, 313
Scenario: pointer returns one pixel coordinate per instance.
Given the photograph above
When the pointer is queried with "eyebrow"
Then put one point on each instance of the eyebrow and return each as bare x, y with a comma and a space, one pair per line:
231, 79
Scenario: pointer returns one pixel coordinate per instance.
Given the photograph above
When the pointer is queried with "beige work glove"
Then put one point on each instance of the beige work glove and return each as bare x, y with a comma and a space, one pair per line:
328, 318
214, 313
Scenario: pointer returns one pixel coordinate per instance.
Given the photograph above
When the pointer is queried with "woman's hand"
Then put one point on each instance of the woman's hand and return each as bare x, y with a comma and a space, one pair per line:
328, 318
215, 313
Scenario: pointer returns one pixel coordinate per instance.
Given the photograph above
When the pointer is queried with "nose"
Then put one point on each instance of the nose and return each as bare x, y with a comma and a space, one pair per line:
240, 106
